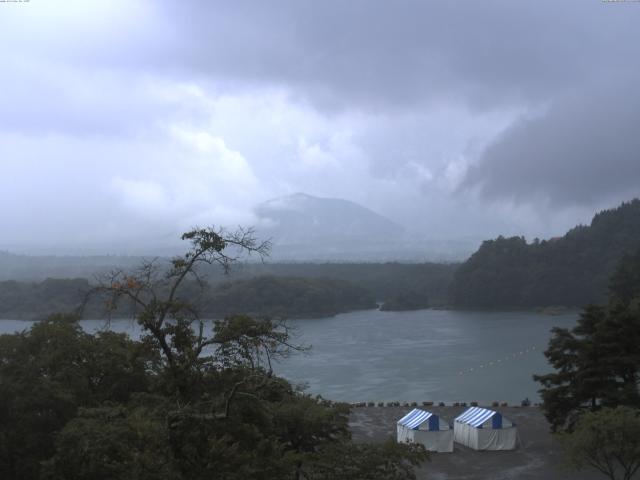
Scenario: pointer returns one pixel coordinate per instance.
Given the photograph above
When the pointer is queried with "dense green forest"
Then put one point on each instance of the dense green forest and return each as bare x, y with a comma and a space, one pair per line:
385, 281
180, 403
35, 300
290, 290
572, 270
292, 297
262, 296
407, 300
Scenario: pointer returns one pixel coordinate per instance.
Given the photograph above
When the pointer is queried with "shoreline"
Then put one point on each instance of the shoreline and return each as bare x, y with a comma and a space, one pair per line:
550, 311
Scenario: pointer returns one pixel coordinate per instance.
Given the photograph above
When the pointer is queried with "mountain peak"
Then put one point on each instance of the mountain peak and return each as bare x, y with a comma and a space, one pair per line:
324, 223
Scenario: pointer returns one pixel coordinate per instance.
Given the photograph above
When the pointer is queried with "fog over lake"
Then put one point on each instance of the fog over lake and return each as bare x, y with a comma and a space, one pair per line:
437, 355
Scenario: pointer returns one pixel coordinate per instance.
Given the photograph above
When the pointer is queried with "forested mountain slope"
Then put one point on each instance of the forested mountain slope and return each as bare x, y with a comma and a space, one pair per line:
261, 296
572, 270
315, 290
285, 296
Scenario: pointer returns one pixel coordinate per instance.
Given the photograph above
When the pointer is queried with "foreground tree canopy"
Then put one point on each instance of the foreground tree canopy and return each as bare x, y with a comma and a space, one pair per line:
180, 403
597, 363
607, 441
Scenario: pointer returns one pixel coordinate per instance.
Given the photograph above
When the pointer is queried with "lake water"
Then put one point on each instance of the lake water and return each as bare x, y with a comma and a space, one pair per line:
436, 355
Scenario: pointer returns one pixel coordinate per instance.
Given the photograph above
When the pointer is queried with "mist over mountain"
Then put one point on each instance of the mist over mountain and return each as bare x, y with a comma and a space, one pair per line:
305, 227
334, 223
40, 267
302, 228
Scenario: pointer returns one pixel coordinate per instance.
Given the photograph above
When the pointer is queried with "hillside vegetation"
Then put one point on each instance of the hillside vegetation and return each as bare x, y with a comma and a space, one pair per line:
262, 296
425, 282
286, 297
292, 290
36, 300
572, 270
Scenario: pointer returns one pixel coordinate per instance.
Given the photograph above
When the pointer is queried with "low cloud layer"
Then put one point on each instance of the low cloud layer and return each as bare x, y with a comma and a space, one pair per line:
129, 121
584, 150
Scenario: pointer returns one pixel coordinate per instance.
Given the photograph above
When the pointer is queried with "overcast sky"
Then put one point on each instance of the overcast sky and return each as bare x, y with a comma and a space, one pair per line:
132, 120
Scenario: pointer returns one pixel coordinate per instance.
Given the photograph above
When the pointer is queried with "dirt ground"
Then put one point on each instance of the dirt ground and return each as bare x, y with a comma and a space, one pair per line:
537, 455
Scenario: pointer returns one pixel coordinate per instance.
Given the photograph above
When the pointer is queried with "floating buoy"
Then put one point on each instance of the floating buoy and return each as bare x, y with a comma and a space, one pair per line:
499, 360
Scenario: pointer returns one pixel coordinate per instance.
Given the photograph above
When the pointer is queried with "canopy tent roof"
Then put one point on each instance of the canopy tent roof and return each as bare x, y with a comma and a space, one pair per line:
426, 428
476, 416
484, 429
417, 417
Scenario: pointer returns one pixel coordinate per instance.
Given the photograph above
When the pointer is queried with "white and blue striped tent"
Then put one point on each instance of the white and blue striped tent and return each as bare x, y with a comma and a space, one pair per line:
484, 429
420, 426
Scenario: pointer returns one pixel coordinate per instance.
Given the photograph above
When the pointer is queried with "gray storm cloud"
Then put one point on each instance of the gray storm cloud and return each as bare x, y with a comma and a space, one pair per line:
584, 150
381, 55
372, 55
123, 119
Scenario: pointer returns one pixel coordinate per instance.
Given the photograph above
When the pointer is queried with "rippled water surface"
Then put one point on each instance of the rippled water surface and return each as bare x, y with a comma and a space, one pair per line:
437, 355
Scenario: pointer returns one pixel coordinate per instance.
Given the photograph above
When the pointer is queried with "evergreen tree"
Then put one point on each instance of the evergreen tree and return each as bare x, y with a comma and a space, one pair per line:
597, 362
